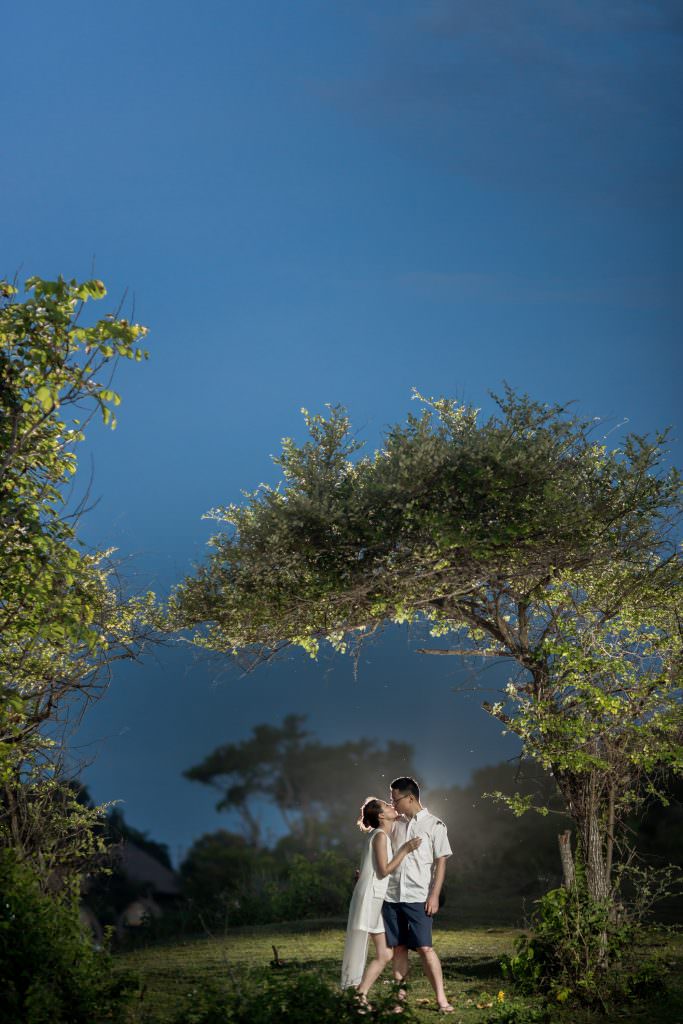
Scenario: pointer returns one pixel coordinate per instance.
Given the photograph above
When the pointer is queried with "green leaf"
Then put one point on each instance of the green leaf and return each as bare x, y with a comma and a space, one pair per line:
44, 396
110, 396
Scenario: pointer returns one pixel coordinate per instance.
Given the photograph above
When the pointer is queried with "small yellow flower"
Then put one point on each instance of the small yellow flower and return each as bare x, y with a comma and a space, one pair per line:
501, 996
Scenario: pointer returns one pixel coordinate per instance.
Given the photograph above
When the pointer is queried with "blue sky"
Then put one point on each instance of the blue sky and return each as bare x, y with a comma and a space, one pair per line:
335, 202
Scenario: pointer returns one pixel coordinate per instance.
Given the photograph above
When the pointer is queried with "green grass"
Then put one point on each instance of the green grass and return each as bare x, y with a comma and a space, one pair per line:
470, 959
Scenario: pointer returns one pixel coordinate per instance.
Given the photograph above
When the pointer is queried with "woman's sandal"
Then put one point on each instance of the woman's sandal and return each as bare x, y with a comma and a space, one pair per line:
446, 1008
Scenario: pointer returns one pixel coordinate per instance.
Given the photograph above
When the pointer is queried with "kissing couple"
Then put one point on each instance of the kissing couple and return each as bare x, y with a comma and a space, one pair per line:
397, 891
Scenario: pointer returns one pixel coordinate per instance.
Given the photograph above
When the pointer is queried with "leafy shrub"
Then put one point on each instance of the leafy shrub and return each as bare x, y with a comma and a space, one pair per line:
305, 998
223, 864
578, 950
301, 889
318, 888
512, 1011
49, 971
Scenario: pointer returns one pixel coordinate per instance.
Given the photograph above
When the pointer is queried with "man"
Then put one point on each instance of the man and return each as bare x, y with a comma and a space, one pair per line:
412, 898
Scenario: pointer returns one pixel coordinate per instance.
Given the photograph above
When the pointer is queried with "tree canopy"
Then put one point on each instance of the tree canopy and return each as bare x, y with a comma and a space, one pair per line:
344, 544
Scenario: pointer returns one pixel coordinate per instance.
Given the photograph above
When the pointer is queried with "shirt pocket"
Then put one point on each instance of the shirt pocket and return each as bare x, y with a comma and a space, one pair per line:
424, 851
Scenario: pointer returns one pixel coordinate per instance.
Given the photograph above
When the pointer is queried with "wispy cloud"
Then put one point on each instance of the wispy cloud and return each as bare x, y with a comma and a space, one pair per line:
560, 94
458, 17
653, 292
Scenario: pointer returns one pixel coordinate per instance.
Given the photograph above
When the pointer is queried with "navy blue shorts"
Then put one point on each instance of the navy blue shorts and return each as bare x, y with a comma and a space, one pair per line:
407, 924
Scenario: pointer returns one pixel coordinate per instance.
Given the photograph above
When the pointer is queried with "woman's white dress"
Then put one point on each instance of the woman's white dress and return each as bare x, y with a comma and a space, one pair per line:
365, 912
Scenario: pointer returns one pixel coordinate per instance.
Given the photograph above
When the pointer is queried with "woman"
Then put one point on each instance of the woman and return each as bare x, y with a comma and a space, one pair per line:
365, 913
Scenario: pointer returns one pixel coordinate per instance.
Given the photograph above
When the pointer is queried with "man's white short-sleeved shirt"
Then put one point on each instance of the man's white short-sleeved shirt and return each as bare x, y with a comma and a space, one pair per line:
412, 880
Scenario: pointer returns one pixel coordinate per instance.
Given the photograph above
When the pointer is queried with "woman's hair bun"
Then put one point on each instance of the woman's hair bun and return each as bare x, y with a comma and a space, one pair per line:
369, 814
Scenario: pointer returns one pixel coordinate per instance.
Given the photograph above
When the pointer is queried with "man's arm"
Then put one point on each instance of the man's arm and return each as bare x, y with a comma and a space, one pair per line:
432, 904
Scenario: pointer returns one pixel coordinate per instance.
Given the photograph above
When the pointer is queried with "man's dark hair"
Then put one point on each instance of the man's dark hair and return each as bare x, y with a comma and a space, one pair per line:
407, 785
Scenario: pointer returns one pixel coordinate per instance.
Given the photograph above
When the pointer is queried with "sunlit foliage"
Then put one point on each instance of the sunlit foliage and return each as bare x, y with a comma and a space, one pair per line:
63, 621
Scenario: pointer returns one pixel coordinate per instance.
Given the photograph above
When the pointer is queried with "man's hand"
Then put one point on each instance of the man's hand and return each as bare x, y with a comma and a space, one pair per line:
432, 905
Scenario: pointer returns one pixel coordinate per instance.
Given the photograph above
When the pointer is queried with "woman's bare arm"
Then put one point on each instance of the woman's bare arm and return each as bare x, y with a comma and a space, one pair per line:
385, 867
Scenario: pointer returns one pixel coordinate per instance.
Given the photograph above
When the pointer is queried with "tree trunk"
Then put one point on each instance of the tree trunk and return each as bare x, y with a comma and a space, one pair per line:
583, 794
13, 817
592, 848
565, 843
610, 838
253, 826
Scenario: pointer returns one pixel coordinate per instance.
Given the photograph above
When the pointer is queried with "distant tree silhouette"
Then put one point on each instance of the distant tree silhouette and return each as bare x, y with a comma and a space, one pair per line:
316, 787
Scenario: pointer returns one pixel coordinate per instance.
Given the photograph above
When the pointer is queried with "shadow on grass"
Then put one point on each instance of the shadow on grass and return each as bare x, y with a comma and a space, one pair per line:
470, 968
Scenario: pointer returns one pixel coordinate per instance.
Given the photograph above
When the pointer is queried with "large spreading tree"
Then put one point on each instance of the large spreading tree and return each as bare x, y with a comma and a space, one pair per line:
522, 537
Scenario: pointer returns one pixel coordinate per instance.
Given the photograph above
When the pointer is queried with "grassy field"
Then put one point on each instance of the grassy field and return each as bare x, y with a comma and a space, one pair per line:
470, 960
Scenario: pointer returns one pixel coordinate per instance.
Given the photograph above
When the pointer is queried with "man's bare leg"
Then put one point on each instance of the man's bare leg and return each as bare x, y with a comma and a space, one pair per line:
432, 968
399, 966
400, 962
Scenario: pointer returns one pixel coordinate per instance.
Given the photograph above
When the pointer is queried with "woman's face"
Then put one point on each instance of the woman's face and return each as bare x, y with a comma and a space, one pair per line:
388, 812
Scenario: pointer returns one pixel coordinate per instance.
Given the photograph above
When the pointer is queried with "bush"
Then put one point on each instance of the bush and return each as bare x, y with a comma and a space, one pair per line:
318, 888
299, 889
304, 998
579, 951
222, 864
49, 971
515, 1013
